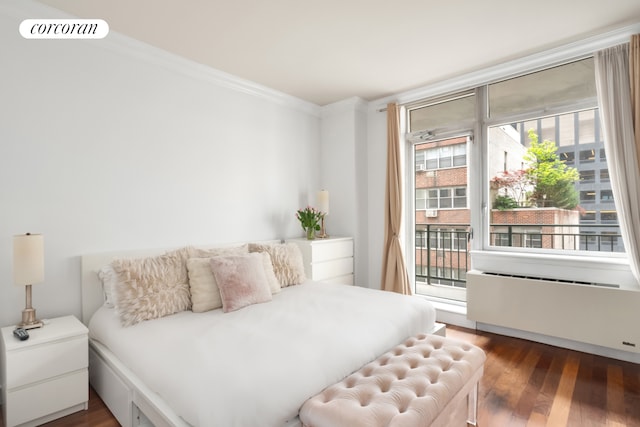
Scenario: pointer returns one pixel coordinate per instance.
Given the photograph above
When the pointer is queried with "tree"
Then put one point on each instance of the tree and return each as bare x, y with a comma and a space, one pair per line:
553, 181
514, 186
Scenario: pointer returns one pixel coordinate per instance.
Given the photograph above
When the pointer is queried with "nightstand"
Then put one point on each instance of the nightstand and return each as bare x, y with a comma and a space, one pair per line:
45, 377
328, 260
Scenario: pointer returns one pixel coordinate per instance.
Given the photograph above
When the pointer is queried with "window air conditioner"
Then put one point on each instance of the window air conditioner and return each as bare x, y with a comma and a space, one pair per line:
432, 213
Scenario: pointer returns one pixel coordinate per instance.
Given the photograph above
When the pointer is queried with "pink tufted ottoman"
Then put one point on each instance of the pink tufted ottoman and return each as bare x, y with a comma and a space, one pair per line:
428, 380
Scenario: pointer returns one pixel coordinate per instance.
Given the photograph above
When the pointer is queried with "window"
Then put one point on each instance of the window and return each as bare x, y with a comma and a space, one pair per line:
441, 198
537, 166
606, 195
588, 196
587, 176
569, 157
543, 89
587, 156
441, 157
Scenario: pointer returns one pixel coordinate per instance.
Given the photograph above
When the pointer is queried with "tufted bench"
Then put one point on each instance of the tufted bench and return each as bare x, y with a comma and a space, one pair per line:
428, 380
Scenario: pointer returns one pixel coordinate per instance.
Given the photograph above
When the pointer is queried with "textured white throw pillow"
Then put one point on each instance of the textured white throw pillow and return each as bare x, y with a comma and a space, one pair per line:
149, 288
286, 258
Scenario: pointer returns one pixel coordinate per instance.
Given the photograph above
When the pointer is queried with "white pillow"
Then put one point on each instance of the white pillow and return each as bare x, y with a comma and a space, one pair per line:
109, 279
205, 294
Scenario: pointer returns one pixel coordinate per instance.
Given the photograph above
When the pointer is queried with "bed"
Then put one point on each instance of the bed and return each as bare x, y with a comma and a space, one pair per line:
255, 365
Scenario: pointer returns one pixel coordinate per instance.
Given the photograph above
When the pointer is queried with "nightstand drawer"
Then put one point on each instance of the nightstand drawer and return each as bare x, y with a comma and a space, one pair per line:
328, 250
333, 268
40, 362
29, 403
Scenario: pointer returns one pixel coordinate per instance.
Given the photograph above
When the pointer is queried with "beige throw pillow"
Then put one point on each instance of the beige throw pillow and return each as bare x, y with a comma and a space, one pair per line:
286, 258
205, 294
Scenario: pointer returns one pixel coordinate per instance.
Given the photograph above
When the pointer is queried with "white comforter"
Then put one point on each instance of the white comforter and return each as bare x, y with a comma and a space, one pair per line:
258, 365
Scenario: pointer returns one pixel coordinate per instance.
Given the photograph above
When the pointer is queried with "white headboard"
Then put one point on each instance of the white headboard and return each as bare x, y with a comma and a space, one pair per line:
92, 294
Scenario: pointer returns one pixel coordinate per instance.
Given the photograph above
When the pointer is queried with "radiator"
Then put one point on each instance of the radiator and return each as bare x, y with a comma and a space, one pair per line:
586, 313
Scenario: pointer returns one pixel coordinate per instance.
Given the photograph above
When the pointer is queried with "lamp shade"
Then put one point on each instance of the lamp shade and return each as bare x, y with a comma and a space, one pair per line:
323, 201
28, 259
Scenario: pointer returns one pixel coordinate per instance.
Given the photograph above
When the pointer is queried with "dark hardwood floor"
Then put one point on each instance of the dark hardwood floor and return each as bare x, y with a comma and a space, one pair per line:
524, 384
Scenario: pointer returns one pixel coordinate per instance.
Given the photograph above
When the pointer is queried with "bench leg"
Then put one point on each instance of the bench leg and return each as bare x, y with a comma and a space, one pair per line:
472, 401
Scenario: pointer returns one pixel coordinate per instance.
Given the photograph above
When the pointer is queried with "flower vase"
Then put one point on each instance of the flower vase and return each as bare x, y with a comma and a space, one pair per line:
311, 233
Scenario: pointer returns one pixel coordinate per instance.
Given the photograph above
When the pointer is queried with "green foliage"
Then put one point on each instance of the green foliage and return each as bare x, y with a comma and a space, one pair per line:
552, 179
504, 203
309, 218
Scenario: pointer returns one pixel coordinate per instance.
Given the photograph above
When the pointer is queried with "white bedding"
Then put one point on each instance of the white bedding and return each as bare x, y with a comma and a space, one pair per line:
258, 365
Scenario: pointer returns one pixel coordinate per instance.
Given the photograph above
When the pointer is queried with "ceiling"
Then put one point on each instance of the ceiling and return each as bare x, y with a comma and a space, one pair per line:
330, 50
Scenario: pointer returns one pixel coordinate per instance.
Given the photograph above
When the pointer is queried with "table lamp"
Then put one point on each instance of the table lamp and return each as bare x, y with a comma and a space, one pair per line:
323, 206
28, 269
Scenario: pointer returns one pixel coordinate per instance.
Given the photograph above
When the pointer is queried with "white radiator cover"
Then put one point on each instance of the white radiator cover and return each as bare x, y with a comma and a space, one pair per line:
590, 314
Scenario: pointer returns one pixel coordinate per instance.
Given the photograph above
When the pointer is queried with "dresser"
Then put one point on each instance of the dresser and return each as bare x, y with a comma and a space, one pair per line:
328, 260
46, 376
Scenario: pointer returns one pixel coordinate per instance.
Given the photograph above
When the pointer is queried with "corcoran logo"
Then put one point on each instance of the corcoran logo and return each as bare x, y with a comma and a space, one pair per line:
64, 29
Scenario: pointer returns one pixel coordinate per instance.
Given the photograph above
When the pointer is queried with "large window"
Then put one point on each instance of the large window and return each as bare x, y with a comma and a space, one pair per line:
540, 184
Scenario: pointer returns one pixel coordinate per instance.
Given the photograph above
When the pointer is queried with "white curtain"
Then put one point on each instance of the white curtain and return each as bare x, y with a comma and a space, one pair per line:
614, 96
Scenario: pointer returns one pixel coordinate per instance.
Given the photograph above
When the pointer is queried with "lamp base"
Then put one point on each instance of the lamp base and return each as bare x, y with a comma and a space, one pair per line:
323, 233
29, 320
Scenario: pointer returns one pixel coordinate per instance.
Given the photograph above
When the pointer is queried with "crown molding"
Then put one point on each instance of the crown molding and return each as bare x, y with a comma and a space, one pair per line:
127, 46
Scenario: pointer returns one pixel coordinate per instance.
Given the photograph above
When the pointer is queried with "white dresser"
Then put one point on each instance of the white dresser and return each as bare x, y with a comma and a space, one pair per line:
46, 376
328, 260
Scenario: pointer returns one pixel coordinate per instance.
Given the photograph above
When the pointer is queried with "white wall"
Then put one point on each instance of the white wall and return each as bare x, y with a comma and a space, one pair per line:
377, 162
111, 144
344, 174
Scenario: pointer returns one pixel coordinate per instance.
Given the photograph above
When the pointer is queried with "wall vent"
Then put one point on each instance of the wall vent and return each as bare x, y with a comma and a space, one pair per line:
585, 312
547, 279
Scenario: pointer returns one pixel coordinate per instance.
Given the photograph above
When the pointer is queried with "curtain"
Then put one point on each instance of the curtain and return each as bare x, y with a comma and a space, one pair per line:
614, 96
394, 270
634, 76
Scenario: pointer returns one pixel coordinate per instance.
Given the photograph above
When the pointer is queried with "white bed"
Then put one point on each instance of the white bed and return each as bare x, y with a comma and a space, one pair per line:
253, 366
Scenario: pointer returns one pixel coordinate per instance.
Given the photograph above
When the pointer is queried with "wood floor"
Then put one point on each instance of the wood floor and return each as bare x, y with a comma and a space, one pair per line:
524, 384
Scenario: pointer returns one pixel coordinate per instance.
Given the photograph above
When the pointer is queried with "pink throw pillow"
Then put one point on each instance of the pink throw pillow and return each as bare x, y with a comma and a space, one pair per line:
241, 280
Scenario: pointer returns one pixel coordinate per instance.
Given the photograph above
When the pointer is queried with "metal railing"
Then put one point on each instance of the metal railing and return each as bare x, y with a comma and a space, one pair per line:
442, 250
586, 237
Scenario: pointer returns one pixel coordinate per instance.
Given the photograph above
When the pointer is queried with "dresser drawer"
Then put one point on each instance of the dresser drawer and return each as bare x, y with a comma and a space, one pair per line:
333, 268
40, 362
331, 250
29, 403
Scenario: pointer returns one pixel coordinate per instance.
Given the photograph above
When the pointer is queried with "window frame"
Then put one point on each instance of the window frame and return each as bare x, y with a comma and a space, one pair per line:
587, 266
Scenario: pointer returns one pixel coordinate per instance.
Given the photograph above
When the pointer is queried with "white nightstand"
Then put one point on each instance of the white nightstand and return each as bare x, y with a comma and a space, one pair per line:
45, 377
328, 260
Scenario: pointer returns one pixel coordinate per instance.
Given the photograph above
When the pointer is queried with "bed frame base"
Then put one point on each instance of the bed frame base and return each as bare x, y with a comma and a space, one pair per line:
135, 405
128, 399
